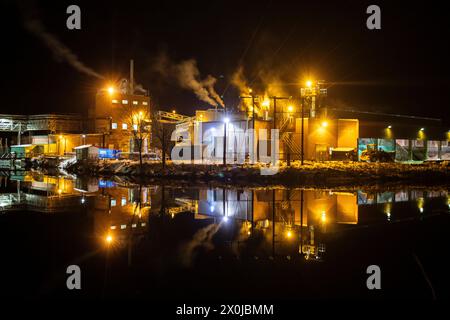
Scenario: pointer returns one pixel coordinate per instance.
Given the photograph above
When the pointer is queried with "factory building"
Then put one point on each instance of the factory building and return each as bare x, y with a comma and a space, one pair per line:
121, 115
119, 121
309, 130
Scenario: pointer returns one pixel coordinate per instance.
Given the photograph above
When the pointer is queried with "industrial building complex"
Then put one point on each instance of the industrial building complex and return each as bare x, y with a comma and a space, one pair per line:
119, 124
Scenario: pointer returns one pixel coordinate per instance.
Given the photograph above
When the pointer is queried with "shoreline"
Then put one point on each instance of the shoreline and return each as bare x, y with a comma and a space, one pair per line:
314, 174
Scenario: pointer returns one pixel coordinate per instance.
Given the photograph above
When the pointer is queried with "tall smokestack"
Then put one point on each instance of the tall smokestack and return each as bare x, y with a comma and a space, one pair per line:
131, 76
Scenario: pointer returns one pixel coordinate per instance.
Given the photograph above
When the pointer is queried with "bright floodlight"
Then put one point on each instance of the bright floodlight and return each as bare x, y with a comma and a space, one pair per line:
111, 90
226, 120
309, 83
422, 129
324, 124
109, 239
225, 219
290, 108
389, 127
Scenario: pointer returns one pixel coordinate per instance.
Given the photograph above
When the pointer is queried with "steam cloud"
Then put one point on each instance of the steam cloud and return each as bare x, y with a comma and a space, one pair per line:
188, 77
209, 83
60, 51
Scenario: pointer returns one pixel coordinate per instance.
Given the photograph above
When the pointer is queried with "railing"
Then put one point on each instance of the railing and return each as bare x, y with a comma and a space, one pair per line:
289, 141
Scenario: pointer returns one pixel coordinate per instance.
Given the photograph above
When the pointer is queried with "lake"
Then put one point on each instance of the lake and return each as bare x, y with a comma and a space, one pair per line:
188, 242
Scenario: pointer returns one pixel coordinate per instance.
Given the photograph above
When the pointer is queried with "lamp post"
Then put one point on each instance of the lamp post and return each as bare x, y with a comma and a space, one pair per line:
302, 155
225, 124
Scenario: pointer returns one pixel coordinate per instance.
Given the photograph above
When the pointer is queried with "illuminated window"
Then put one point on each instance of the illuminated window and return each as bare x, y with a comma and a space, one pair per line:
135, 127
113, 202
133, 225
113, 227
115, 101
123, 226
124, 101
135, 102
143, 224
124, 201
114, 125
124, 126
144, 103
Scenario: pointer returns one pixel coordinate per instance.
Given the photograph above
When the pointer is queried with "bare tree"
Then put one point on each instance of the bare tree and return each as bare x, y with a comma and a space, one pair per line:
139, 128
161, 134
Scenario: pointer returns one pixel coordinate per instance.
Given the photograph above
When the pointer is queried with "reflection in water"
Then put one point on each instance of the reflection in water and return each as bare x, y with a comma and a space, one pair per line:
260, 223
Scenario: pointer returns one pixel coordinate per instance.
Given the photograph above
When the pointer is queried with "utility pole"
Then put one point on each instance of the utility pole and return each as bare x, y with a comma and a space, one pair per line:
163, 145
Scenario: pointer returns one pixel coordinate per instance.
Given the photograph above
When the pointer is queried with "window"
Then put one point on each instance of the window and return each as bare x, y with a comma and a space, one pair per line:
133, 225
124, 201
115, 101
135, 127
124, 101
113, 202
144, 103
123, 226
113, 227
114, 125
135, 102
124, 126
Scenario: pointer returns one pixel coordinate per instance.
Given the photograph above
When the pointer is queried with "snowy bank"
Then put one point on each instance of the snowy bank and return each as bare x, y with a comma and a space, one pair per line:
311, 173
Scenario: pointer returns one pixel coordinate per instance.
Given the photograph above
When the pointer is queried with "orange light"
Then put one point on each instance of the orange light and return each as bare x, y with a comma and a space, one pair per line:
109, 239
324, 124
290, 108
174, 111
111, 90
289, 234
309, 83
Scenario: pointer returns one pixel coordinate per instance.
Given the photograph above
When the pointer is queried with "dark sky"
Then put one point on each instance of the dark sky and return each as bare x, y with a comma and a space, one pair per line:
403, 68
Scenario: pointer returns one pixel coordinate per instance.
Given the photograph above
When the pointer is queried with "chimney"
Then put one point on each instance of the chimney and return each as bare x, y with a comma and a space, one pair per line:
131, 76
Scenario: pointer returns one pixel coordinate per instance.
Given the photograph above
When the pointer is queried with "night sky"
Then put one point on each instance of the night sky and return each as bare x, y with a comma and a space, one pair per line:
402, 68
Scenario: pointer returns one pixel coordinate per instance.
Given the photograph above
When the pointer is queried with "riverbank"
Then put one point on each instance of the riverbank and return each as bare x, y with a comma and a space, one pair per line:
310, 174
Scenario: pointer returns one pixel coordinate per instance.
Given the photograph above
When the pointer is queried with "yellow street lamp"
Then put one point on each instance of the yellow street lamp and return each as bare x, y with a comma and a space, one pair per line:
309, 83
111, 90
324, 124
290, 109
109, 239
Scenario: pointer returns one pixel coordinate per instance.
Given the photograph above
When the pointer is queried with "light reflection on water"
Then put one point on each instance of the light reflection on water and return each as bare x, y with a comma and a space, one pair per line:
286, 223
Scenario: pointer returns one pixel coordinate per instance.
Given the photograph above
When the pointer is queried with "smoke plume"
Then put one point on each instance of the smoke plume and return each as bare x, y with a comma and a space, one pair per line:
209, 83
60, 51
188, 77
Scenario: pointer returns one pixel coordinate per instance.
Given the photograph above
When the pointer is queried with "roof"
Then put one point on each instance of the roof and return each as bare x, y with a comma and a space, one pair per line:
21, 145
84, 146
